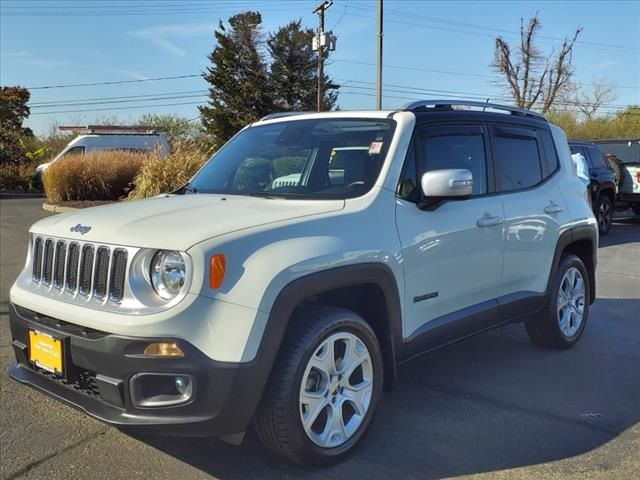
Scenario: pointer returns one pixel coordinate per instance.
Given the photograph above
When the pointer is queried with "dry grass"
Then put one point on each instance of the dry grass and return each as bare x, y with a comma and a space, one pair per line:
106, 175
17, 177
163, 175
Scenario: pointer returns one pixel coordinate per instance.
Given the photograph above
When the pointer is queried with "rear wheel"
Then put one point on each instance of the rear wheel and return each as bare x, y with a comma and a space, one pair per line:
564, 320
324, 389
604, 214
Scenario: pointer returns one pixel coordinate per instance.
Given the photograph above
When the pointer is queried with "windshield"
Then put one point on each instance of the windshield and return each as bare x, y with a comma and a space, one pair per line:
322, 158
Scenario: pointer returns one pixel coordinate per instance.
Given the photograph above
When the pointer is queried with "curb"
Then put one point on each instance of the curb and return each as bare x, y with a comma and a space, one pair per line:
50, 207
17, 195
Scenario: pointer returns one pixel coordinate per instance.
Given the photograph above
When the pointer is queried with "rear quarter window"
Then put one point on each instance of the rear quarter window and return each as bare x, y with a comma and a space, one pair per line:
550, 154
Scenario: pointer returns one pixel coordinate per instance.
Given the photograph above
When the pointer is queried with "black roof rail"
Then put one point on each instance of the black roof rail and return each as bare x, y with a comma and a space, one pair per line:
271, 116
423, 104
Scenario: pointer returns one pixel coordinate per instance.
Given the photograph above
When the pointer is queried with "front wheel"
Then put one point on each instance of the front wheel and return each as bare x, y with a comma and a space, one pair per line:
324, 389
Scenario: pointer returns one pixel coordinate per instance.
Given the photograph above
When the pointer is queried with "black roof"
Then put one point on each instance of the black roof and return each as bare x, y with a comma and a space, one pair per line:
457, 116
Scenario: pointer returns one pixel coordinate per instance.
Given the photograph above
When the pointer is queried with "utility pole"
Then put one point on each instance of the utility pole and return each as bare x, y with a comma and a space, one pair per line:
319, 10
379, 76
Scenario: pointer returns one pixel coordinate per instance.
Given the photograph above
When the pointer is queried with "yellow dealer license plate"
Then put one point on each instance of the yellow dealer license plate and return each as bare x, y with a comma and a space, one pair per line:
45, 351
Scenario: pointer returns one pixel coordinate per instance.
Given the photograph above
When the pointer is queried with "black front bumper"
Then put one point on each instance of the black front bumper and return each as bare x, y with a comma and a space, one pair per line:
98, 367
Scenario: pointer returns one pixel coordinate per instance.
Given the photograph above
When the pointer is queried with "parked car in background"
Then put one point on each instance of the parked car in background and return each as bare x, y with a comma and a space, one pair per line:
625, 153
97, 138
602, 185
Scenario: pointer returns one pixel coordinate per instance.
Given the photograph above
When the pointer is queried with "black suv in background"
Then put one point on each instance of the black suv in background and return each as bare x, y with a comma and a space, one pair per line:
602, 186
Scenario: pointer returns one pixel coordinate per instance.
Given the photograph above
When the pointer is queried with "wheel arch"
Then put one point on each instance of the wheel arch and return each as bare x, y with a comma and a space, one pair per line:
581, 241
607, 190
342, 287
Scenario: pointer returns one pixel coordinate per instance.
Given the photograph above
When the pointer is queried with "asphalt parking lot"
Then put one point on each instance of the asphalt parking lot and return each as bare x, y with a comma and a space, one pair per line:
490, 407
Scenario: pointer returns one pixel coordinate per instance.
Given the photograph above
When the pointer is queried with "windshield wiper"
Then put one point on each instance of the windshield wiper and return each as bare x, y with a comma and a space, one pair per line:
189, 189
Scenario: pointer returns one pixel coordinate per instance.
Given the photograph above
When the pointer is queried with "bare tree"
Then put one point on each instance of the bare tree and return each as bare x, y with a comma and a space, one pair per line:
588, 100
532, 79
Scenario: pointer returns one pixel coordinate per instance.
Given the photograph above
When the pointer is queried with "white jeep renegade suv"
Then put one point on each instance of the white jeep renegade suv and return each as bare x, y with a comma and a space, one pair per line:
309, 257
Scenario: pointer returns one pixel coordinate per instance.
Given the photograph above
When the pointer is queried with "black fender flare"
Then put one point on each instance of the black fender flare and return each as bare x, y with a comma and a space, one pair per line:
294, 293
573, 235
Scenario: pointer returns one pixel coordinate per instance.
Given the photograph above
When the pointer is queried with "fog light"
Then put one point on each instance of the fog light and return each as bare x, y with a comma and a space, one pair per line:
162, 349
182, 385
161, 390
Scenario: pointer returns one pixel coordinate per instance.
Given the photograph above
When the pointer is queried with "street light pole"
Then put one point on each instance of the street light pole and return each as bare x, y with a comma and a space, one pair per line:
379, 76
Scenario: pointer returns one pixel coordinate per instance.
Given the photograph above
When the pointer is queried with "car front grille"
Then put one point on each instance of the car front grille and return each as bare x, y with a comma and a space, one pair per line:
92, 271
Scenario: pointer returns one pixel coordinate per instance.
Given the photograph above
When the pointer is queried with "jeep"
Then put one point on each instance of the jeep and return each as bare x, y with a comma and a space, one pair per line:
314, 253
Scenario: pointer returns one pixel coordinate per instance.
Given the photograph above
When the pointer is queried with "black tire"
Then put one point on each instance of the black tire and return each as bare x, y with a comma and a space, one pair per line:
617, 170
545, 330
278, 419
604, 214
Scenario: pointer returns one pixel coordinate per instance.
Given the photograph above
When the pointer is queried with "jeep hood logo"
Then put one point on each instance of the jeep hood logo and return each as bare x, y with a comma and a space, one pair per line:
81, 229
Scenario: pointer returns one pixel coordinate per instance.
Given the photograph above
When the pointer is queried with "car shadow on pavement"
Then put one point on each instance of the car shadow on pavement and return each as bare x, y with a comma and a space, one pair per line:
490, 403
623, 230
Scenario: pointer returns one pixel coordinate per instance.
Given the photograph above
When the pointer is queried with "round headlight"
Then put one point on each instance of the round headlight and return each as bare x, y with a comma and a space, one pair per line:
168, 273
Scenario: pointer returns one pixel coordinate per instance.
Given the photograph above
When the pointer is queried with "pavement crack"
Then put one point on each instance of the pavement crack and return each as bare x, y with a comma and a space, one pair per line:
30, 466
497, 403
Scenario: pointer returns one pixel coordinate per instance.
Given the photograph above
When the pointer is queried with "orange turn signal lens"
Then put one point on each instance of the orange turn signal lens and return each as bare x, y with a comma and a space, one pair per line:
162, 349
217, 267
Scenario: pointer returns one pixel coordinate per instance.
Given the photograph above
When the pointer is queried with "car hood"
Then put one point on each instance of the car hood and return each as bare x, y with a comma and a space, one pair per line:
177, 222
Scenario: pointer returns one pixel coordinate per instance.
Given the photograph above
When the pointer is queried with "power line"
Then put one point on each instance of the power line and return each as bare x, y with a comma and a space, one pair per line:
405, 98
448, 72
115, 82
112, 102
117, 108
127, 11
446, 21
409, 92
89, 101
467, 96
463, 94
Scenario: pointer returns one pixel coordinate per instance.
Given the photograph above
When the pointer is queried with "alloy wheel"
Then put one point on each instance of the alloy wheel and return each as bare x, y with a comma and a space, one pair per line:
604, 216
336, 390
571, 301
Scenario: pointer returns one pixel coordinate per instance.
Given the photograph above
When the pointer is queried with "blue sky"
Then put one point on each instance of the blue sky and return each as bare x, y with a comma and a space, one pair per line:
443, 48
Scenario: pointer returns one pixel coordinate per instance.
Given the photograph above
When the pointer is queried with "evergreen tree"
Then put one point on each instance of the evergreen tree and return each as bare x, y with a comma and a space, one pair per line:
294, 70
239, 88
13, 111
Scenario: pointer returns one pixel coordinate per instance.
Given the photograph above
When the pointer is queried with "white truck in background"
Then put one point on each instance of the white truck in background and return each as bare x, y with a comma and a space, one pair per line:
94, 138
624, 156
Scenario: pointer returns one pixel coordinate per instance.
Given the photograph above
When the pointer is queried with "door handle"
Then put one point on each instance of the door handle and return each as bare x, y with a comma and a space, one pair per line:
489, 221
553, 208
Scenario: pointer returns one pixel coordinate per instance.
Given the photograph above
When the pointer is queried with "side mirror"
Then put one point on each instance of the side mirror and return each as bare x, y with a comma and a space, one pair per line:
441, 185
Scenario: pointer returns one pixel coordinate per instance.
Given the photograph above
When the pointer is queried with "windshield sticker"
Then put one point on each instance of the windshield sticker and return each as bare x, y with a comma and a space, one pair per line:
375, 148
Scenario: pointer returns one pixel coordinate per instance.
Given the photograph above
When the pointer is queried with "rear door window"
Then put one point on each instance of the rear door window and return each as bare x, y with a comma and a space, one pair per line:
516, 157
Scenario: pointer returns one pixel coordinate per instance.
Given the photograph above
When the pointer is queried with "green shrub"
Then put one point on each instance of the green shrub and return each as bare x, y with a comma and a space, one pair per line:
17, 176
105, 175
163, 175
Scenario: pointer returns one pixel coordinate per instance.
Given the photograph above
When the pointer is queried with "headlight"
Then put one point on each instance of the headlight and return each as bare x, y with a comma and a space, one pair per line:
168, 273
